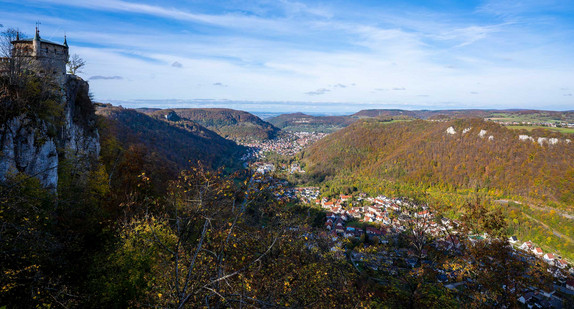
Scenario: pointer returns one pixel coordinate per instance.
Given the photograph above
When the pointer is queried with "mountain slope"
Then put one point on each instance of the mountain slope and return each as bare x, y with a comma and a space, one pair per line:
229, 123
328, 124
302, 122
177, 144
423, 152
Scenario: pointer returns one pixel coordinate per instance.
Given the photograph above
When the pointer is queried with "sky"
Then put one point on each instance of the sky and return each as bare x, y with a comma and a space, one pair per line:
315, 56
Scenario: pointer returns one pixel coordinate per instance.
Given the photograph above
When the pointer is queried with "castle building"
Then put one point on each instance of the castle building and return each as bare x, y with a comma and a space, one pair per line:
41, 56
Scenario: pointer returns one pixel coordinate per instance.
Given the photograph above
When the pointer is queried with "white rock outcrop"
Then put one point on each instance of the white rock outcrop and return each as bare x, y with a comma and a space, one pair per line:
450, 130
525, 138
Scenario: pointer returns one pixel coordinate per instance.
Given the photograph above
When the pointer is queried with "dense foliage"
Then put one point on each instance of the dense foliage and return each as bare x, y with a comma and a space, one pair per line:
229, 123
421, 152
306, 123
176, 143
408, 157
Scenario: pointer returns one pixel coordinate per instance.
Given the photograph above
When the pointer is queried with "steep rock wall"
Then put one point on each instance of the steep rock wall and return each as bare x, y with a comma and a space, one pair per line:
32, 148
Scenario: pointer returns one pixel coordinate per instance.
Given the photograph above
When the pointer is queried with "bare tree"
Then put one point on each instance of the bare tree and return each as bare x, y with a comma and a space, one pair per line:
75, 64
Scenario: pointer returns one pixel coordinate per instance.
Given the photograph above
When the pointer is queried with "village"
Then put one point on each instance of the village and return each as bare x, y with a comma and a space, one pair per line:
368, 231
382, 220
289, 144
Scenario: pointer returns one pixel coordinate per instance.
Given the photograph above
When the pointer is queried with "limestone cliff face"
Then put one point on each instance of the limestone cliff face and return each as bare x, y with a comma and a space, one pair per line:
78, 137
26, 149
32, 147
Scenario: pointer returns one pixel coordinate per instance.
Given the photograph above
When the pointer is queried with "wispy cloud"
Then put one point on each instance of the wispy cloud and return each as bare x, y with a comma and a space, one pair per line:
319, 91
99, 77
349, 52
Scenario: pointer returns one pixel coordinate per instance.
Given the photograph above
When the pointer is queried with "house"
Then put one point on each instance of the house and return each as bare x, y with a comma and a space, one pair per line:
513, 239
339, 227
570, 284
345, 198
423, 214
561, 263
329, 224
527, 246
537, 251
327, 204
549, 257
371, 231
525, 298
349, 232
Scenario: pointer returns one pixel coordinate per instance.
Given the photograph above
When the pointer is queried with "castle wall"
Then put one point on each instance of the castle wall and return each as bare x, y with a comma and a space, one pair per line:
42, 58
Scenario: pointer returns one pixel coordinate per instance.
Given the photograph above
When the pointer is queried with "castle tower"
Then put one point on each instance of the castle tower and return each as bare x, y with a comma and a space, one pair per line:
41, 56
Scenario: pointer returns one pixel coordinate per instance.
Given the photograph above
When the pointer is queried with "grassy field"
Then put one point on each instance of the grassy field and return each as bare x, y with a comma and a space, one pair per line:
530, 128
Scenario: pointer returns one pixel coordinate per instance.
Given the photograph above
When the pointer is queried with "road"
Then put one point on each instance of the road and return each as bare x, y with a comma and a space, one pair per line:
549, 228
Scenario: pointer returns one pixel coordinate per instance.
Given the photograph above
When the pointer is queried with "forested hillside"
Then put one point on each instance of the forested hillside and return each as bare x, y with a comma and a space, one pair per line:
454, 161
178, 144
328, 124
301, 122
424, 152
229, 123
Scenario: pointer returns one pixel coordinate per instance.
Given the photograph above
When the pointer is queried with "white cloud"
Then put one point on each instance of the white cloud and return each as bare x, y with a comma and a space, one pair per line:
439, 58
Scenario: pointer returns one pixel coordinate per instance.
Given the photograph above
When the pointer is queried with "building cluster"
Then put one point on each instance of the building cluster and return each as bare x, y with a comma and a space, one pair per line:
287, 145
263, 167
393, 215
386, 218
308, 195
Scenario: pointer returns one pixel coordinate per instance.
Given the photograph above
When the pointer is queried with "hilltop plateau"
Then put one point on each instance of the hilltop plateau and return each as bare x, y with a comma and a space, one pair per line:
515, 119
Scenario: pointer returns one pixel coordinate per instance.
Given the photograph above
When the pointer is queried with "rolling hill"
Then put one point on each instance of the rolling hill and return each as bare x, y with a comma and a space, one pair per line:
298, 122
178, 144
328, 124
229, 123
456, 161
486, 155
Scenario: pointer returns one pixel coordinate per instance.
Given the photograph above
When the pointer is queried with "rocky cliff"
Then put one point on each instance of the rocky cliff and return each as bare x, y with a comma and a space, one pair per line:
37, 147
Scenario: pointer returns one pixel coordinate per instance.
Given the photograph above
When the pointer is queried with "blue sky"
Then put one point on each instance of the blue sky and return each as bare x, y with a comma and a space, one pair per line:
319, 56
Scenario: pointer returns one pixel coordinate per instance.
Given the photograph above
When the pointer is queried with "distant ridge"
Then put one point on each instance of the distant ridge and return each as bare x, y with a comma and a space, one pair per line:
176, 144
229, 123
303, 122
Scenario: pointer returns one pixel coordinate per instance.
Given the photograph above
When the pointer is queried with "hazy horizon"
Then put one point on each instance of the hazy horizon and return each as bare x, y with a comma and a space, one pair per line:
278, 108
